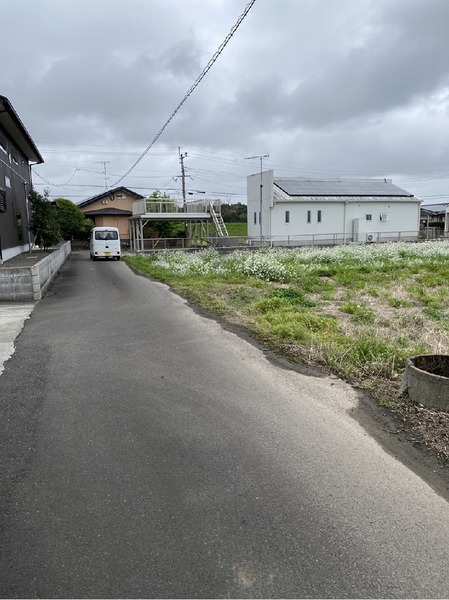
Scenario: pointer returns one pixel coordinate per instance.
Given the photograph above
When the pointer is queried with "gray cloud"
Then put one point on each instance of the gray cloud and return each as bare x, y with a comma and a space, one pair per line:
354, 87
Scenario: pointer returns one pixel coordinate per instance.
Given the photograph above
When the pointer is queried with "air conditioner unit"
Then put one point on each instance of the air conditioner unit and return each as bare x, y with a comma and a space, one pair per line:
383, 217
370, 238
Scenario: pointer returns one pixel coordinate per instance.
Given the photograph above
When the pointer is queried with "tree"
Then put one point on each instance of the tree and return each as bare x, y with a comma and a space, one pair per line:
234, 213
44, 220
163, 229
72, 223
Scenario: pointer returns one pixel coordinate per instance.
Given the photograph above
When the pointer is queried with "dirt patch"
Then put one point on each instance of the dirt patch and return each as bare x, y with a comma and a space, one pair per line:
416, 436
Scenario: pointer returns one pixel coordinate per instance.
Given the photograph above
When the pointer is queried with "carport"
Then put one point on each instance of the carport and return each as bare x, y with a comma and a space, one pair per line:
197, 216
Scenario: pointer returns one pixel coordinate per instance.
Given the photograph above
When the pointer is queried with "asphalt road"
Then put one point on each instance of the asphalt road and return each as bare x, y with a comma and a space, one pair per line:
147, 452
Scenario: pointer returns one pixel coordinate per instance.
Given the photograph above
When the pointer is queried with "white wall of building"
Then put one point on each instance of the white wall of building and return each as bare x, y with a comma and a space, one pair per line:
344, 218
253, 202
324, 218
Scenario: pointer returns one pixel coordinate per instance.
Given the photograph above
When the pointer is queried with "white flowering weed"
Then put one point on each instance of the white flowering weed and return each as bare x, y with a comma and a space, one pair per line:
283, 265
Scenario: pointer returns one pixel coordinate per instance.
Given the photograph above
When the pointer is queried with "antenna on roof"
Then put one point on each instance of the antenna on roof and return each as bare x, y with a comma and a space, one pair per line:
104, 163
260, 157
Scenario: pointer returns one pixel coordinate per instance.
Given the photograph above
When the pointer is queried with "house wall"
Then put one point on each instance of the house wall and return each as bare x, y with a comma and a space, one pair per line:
343, 217
112, 221
124, 202
253, 202
15, 180
403, 216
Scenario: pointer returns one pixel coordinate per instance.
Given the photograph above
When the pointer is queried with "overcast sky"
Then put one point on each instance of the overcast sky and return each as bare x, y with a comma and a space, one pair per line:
328, 88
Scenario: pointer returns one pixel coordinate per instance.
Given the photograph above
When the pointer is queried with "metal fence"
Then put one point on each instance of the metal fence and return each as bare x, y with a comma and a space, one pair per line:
293, 241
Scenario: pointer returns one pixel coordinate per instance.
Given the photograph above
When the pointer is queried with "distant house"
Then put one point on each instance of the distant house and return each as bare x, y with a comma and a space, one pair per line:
433, 213
297, 209
111, 209
17, 154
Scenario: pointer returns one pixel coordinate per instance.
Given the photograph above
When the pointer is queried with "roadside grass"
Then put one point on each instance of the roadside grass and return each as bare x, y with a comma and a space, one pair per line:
358, 310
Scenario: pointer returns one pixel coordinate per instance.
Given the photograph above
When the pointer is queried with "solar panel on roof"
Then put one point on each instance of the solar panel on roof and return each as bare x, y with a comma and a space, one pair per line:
298, 187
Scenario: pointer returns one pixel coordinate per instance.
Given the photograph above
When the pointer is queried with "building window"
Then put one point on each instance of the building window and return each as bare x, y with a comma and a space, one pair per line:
318, 216
3, 145
383, 217
19, 227
309, 216
369, 217
255, 218
287, 216
14, 157
2, 200
7, 181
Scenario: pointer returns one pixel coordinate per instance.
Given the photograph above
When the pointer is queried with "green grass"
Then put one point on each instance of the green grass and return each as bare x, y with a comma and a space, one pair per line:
237, 229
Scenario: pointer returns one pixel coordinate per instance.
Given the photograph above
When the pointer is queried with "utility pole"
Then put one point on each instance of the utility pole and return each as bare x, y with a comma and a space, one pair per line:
183, 177
104, 163
260, 157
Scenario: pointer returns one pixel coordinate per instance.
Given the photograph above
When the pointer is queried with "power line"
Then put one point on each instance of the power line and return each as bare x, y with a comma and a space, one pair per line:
193, 87
56, 184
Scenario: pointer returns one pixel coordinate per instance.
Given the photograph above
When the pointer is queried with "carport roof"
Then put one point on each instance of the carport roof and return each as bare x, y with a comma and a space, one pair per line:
435, 209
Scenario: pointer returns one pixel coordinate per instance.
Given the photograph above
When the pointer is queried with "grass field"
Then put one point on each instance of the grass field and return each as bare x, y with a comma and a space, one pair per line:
237, 229
359, 310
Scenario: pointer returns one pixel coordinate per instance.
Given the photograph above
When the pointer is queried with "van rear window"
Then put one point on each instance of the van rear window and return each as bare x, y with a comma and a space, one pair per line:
106, 235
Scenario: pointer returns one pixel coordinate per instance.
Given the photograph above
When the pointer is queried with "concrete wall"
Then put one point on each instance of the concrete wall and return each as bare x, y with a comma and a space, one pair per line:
27, 284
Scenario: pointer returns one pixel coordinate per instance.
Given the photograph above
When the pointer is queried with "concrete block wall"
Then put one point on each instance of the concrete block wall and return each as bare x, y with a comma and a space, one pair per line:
27, 284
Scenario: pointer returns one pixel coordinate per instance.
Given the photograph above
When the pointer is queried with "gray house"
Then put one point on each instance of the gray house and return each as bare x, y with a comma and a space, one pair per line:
17, 153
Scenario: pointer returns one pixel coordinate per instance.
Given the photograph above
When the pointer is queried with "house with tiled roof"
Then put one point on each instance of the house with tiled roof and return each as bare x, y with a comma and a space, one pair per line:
309, 210
112, 208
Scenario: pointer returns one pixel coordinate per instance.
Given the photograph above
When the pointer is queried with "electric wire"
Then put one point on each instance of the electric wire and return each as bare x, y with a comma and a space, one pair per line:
56, 184
193, 87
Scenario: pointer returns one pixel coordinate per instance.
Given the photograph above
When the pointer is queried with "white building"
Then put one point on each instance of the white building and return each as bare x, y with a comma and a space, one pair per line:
302, 210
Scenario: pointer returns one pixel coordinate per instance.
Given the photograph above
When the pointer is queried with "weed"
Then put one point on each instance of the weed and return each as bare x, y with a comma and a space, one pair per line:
361, 313
399, 303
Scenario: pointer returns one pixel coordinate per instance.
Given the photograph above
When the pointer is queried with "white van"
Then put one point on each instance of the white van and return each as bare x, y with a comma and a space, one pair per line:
105, 243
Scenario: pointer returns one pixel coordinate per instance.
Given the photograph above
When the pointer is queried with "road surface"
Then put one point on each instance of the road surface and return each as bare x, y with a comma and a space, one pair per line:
147, 452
